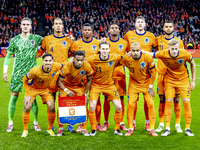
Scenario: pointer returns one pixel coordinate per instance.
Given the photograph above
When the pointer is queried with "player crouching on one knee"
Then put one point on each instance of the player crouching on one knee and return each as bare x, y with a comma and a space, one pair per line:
40, 77
142, 76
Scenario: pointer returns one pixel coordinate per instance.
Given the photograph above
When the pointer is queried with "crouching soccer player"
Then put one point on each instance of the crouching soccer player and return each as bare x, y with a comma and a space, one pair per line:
41, 77
140, 66
70, 82
103, 65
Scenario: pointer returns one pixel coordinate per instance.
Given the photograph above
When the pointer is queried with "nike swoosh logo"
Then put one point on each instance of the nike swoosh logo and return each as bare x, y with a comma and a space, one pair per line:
50, 43
80, 47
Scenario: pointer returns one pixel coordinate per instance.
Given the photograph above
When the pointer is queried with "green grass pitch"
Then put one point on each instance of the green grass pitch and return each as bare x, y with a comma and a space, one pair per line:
103, 140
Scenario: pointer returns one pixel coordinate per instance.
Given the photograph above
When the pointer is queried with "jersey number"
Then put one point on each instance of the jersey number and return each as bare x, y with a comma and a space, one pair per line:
116, 94
97, 69
51, 49
131, 69
160, 47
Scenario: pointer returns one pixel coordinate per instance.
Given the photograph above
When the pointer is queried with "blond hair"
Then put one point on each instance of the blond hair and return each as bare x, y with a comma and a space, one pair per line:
26, 18
173, 42
139, 17
104, 42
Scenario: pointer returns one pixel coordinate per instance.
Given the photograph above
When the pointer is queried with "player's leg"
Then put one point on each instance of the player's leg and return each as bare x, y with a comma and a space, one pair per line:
28, 101
132, 104
160, 92
147, 124
11, 110
98, 115
106, 108
92, 116
151, 113
177, 111
34, 109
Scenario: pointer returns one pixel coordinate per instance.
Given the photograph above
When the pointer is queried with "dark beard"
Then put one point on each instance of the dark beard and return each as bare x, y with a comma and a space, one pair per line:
169, 33
114, 35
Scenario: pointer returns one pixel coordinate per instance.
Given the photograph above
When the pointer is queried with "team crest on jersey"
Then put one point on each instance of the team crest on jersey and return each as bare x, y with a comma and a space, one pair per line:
110, 63
82, 72
71, 111
146, 40
11, 85
53, 74
180, 61
64, 43
32, 43
142, 64
94, 47
120, 46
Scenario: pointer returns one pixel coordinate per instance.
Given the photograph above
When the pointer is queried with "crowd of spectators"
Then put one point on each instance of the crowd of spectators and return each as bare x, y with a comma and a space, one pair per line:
100, 13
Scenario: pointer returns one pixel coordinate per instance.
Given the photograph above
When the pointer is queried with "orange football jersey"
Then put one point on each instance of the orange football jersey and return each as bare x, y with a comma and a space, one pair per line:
146, 40
103, 69
139, 69
58, 47
40, 78
176, 67
74, 76
89, 48
163, 45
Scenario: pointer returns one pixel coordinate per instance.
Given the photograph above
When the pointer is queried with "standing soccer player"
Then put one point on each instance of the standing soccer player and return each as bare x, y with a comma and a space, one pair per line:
103, 65
162, 42
25, 47
70, 82
177, 77
146, 41
41, 78
90, 46
117, 46
59, 46
142, 76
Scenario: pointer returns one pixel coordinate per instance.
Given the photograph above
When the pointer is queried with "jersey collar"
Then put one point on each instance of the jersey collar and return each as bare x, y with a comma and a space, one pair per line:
102, 59
140, 34
58, 37
45, 71
169, 38
86, 41
171, 56
112, 40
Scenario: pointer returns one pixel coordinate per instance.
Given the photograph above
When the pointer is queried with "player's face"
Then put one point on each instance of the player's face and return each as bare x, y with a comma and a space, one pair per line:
78, 61
104, 50
168, 28
87, 31
135, 51
174, 50
47, 61
25, 26
58, 26
140, 24
114, 30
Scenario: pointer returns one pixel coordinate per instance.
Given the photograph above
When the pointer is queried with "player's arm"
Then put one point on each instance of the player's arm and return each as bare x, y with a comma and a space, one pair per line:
150, 53
42, 48
193, 71
28, 77
88, 84
62, 87
152, 72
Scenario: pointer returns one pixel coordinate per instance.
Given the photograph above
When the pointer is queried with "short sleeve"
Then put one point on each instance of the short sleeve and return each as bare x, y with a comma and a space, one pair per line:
89, 70
11, 47
43, 45
31, 74
64, 71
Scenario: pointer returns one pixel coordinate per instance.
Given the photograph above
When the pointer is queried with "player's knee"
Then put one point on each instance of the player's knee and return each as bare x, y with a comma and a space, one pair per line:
92, 106
52, 108
27, 108
177, 98
118, 107
162, 98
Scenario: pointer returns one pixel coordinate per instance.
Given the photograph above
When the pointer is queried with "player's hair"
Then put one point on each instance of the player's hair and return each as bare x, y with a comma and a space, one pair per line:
79, 53
139, 17
135, 44
104, 42
87, 24
113, 23
173, 42
26, 18
47, 54
58, 19
169, 22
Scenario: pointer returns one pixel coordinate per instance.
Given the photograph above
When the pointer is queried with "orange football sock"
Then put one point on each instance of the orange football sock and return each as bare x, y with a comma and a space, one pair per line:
60, 125
123, 109
146, 110
51, 118
92, 118
161, 112
85, 124
98, 111
130, 113
151, 113
25, 117
168, 112
118, 117
47, 113
177, 111
106, 108
187, 114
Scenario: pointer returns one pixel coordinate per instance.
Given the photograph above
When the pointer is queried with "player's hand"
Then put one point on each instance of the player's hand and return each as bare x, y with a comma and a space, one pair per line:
86, 100
70, 93
151, 91
28, 102
103, 39
71, 60
128, 54
192, 85
5, 77
143, 52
